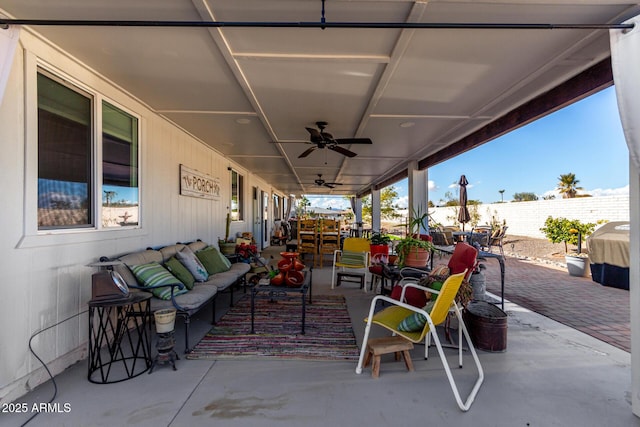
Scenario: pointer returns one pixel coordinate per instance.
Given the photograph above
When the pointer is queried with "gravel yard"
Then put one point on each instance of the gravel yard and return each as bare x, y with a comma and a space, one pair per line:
538, 250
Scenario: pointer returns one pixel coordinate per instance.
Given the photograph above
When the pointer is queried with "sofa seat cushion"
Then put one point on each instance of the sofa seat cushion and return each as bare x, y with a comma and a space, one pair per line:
240, 269
170, 251
198, 245
222, 280
192, 300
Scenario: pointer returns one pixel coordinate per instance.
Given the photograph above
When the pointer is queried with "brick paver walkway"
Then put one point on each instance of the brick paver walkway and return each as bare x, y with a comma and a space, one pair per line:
600, 311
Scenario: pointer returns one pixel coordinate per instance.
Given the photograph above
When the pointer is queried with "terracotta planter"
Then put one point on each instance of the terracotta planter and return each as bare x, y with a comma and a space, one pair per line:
417, 257
379, 249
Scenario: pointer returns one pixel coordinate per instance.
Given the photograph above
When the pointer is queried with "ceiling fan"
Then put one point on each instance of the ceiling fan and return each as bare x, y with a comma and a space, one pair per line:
323, 139
321, 182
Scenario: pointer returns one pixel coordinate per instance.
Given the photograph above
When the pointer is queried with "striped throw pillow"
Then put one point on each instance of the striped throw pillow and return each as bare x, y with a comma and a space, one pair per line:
353, 258
153, 274
415, 322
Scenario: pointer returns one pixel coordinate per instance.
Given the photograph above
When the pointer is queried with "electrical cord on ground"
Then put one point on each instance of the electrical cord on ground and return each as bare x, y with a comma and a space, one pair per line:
55, 386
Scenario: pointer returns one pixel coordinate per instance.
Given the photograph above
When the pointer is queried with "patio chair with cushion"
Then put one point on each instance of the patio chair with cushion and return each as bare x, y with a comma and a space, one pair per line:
480, 236
497, 238
464, 257
354, 255
413, 324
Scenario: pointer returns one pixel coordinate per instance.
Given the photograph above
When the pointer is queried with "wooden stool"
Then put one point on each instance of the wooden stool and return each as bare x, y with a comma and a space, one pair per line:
359, 278
376, 347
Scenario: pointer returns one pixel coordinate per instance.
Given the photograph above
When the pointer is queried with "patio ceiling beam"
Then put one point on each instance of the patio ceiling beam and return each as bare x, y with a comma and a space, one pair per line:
590, 81
4, 23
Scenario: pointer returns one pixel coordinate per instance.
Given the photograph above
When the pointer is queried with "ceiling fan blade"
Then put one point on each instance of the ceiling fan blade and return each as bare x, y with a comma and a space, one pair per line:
307, 152
334, 183
353, 141
341, 150
315, 135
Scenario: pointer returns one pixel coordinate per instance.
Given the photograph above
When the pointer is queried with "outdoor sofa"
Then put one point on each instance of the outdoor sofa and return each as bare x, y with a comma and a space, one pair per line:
186, 301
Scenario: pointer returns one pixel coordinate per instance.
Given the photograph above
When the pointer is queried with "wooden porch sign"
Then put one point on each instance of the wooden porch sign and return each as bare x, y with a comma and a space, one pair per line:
197, 184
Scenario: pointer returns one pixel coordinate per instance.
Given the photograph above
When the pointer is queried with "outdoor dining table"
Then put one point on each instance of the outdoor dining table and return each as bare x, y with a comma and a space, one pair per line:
481, 255
467, 236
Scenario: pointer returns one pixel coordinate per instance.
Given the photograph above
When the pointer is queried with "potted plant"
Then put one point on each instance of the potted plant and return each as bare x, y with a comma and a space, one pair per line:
570, 232
379, 244
412, 250
227, 246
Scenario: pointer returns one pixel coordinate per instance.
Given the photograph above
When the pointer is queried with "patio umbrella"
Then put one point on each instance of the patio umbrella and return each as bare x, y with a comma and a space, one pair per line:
463, 213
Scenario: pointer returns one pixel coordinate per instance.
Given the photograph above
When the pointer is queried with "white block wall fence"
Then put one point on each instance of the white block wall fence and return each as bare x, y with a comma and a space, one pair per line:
526, 218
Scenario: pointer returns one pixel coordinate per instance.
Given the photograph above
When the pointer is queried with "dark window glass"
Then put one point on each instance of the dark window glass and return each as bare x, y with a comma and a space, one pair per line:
64, 156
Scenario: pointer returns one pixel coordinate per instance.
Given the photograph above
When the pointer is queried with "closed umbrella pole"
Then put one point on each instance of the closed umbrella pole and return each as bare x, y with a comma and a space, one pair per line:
463, 213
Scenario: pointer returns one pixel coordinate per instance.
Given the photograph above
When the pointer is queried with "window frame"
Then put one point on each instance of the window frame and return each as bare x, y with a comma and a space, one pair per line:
240, 195
88, 159
100, 159
32, 236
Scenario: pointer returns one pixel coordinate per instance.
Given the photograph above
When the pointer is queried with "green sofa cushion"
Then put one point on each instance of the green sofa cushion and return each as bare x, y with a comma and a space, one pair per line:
181, 272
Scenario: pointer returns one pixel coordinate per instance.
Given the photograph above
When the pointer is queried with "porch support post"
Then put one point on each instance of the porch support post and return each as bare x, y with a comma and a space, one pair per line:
375, 210
418, 190
356, 206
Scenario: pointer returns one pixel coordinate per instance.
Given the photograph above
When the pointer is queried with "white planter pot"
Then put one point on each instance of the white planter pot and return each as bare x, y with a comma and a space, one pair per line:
576, 265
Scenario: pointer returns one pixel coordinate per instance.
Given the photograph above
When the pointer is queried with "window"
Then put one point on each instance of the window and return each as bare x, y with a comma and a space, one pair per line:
69, 187
119, 167
277, 213
237, 196
64, 156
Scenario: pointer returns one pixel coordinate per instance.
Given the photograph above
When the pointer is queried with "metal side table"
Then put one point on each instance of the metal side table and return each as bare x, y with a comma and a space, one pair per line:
119, 338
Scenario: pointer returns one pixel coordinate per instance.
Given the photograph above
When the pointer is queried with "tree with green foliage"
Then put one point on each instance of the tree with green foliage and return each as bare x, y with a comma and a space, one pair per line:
301, 207
568, 185
525, 197
563, 230
387, 211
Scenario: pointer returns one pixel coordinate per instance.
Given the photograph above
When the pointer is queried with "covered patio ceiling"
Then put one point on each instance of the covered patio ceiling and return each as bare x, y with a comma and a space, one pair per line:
420, 94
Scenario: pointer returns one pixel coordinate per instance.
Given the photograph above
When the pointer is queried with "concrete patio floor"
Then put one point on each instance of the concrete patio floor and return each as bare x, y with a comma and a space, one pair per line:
551, 375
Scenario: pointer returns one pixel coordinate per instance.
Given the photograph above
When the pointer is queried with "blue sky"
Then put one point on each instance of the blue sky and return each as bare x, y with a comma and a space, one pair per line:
584, 138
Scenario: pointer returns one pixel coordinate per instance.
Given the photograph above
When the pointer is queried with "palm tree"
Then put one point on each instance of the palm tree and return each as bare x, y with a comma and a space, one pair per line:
568, 185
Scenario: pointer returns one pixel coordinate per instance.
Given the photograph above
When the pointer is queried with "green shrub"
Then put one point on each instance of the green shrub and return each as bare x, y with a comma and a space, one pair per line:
559, 230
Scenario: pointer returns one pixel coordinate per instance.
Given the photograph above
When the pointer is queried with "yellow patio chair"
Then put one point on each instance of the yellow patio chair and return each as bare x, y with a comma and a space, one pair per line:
354, 255
414, 324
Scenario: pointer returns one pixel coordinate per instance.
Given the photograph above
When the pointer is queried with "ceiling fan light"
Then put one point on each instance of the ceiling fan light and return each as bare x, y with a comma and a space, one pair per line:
407, 124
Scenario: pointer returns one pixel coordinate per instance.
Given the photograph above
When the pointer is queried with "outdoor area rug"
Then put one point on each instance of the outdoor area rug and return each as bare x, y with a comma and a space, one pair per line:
328, 331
